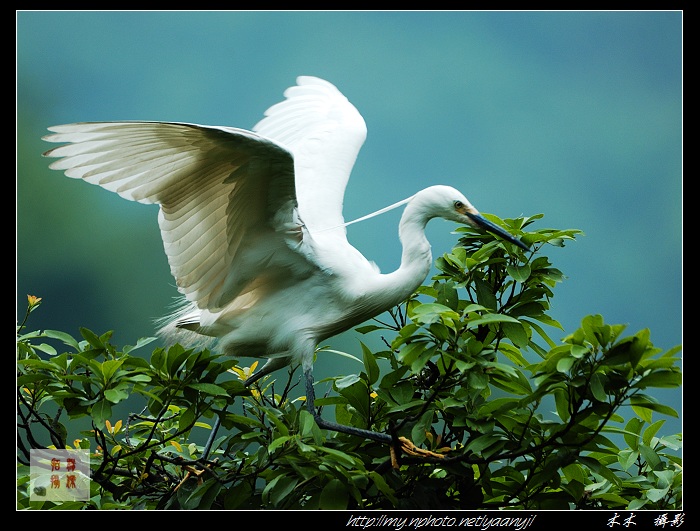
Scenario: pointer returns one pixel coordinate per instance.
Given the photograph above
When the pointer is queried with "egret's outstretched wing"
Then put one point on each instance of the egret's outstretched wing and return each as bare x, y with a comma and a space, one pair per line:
227, 198
324, 132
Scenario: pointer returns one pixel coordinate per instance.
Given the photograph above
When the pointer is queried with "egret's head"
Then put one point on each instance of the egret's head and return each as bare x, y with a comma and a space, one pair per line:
449, 203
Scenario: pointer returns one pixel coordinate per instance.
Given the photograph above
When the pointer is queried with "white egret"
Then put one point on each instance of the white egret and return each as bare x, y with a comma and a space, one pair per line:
253, 228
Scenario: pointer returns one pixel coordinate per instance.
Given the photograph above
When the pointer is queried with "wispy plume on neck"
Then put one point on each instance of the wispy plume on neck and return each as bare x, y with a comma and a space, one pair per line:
368, 216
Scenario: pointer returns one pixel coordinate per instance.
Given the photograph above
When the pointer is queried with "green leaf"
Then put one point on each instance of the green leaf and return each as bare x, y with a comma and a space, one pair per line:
509, 379
513, 354
480, 443
371, 367
238, 496
498, 405
391, 379
341, 457
591, 326
32, 378
347, 381
383, 487
203, 495
597, 388
369, 328
110, 367
660, 378
101, 411
540, 331
643, 413
433, 313
208, 389
334, 496
92, 338
476, 379
491, 318
339, 353
410, 352
643, 401
175, 358
516, 333
665, 477
277, 442
673, 442
627, 457
533, 309
357, 396
284, 486
39, 364
269, 487
273, 416
187, 418
418, 432
484, 294
402, 392
117, 394
600, 468
447, 295
63, 337
656, 494
519, 272
650, 456
651, 431
561, 400
142, 342
628, 350
564, 364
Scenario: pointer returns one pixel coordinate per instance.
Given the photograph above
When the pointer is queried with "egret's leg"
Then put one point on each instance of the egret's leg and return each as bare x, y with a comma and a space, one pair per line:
276, 363
325, 424
212, 436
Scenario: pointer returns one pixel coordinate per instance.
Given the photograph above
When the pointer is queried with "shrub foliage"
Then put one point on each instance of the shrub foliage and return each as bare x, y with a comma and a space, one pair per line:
500, 414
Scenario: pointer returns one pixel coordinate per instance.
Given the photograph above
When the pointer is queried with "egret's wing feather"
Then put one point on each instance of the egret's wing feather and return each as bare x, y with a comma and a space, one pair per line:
227, 197
324, 132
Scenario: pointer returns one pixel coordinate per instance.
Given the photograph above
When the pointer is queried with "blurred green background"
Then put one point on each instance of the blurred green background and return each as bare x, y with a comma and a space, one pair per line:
576, 115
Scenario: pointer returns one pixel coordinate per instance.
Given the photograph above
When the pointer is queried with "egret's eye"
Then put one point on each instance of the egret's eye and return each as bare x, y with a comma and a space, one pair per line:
459, 205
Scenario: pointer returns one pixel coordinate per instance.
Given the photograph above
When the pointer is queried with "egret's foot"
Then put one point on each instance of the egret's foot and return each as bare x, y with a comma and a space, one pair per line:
406, 446
411, 449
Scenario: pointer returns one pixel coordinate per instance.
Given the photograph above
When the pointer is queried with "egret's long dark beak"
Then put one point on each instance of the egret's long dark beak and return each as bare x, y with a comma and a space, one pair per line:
485, 224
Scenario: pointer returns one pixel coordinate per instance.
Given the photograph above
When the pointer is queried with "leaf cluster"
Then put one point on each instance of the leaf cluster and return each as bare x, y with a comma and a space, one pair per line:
499, 414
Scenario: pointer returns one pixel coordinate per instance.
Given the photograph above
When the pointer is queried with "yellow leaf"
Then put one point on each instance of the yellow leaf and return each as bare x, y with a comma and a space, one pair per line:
176, 445
33, 301
239, 372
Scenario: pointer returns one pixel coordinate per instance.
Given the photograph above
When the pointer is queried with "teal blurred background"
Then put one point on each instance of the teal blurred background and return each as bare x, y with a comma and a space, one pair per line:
576, 115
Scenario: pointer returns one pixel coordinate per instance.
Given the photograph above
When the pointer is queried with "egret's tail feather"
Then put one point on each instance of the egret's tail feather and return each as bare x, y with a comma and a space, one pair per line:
179, 326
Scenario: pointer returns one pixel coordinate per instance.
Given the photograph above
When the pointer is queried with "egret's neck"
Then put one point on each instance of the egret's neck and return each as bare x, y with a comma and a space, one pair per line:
416, 255
416, 258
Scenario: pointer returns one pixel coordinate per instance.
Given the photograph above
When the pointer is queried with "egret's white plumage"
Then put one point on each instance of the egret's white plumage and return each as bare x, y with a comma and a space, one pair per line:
252, 221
